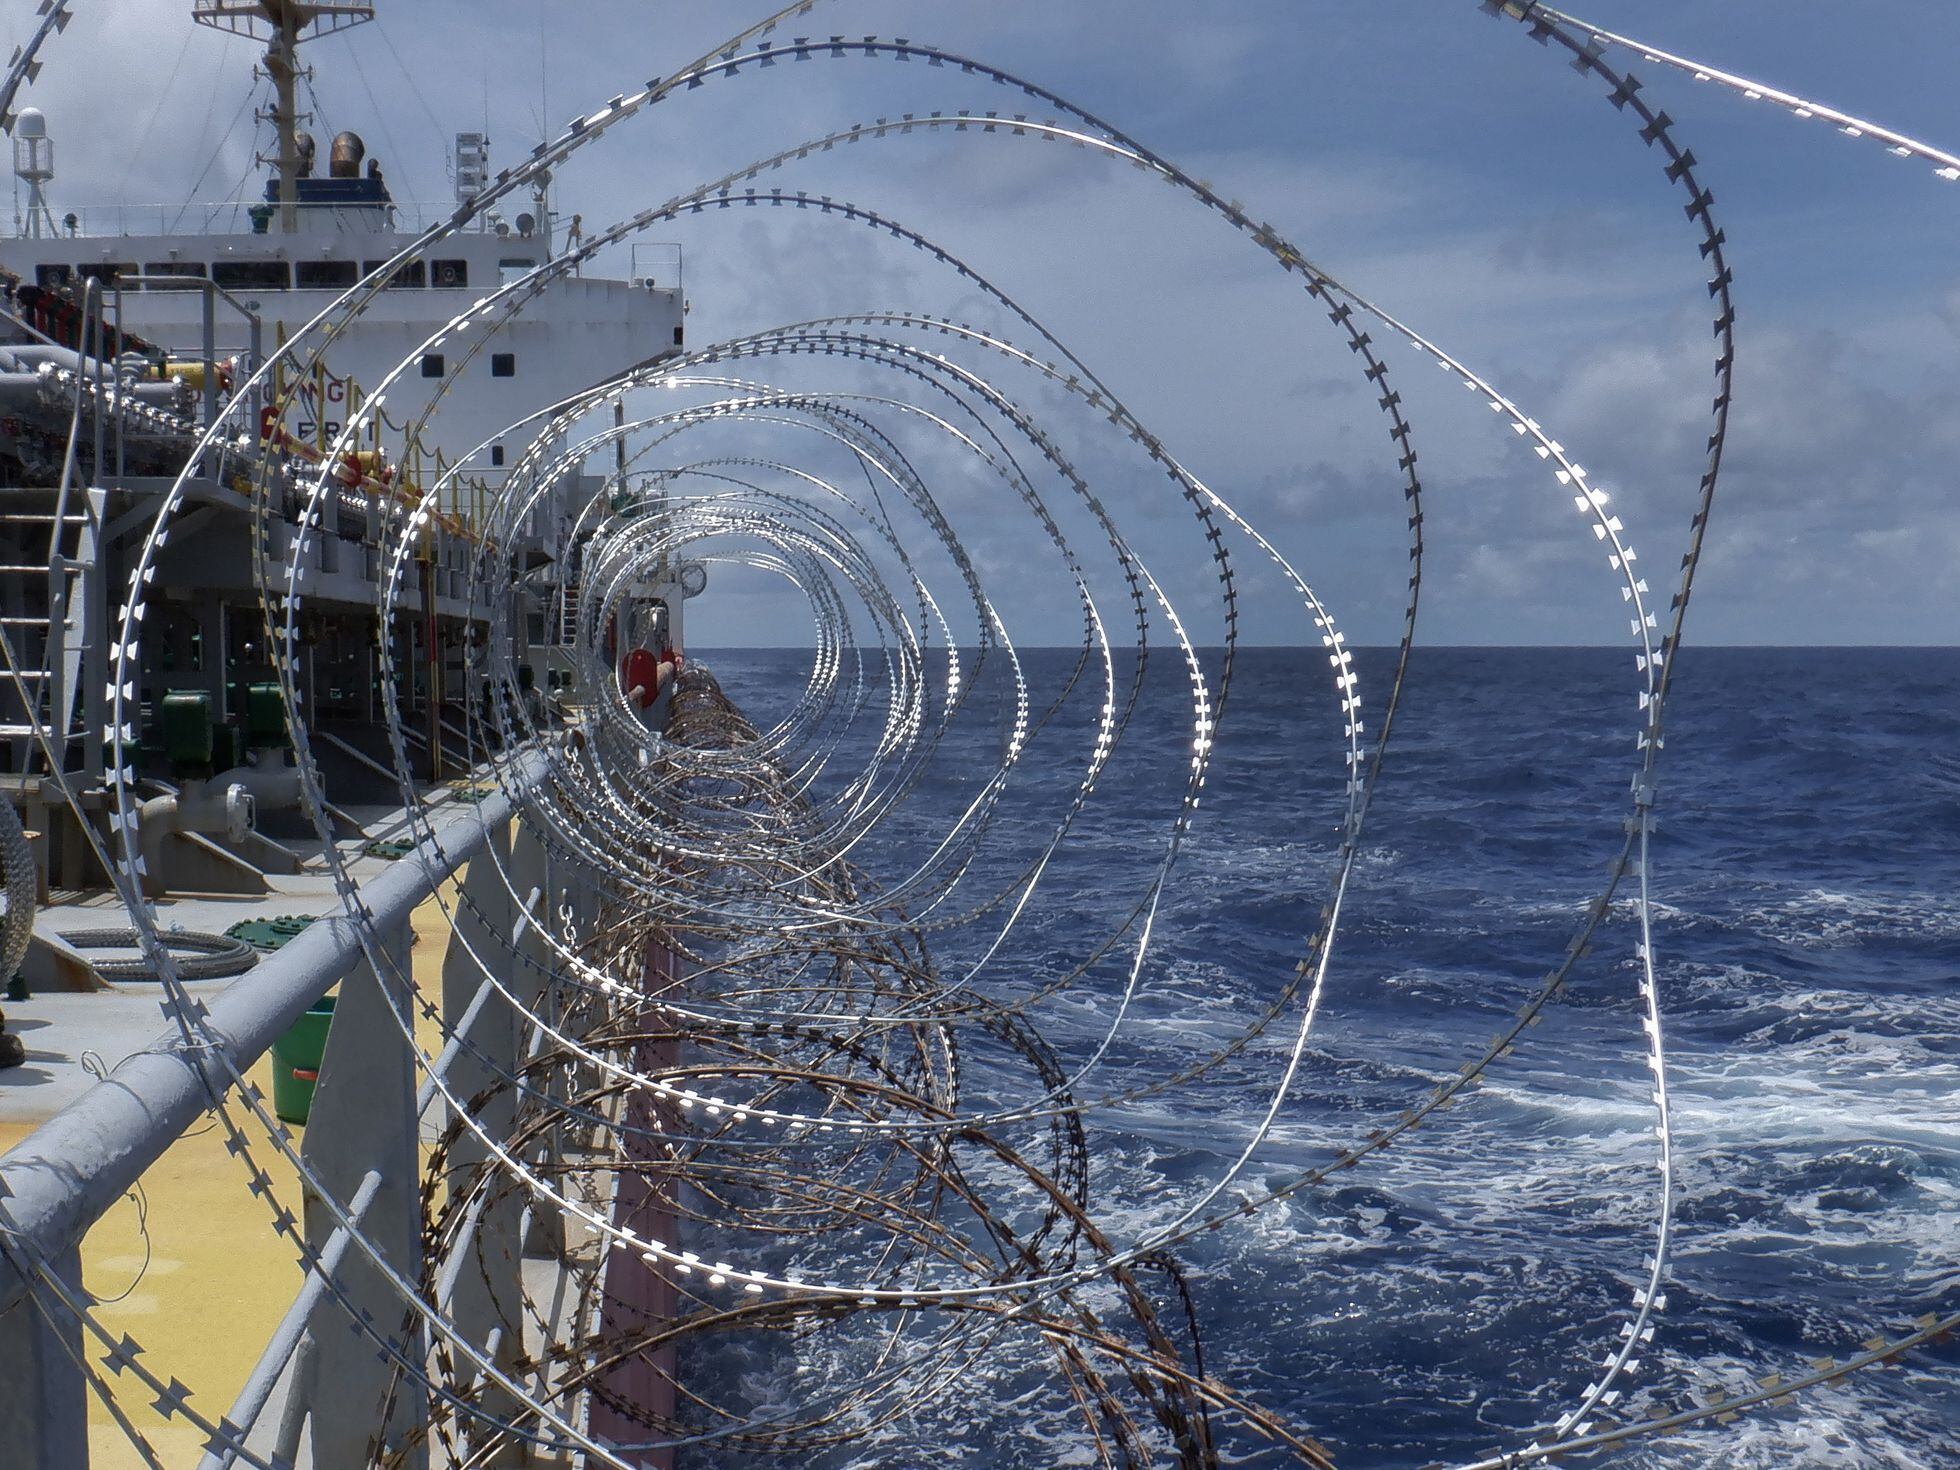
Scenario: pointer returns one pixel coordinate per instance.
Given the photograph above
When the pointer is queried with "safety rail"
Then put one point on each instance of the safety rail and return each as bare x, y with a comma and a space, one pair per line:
100, 347
222, 216
212, 294
360, 1142
366, 468
658, 266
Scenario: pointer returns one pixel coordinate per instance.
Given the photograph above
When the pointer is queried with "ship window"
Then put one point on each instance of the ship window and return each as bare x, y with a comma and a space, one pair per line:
53, 275
677, 336
262, 275
449, 273
409, 273
189, 270
514, 270
503, 364
496, 454
315, 274
432, 365
107, 271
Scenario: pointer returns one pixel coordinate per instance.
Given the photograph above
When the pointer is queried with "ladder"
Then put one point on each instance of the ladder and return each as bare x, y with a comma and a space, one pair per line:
53, 618
561, 629
54, 615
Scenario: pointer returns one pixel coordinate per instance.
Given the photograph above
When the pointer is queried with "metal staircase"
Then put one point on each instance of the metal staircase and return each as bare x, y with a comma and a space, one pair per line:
561, 622
53, 611
53, 622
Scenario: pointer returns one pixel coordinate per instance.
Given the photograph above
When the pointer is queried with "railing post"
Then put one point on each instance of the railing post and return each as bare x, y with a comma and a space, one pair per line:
364, 1118
532, 983
61, 1178
43, 1396
487, 1298
211, 355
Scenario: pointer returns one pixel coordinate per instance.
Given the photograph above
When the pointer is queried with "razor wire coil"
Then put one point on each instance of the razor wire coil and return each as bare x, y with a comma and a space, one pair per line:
811, 1073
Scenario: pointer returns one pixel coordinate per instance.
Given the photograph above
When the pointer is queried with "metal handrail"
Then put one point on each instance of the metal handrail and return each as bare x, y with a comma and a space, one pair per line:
59, 1179
212, 293
91, 304
115, 221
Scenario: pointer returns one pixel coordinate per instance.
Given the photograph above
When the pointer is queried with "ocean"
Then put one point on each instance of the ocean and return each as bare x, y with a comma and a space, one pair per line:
1456, 1292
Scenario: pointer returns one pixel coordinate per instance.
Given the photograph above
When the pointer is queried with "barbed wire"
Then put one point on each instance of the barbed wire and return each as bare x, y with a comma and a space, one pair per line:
731, 989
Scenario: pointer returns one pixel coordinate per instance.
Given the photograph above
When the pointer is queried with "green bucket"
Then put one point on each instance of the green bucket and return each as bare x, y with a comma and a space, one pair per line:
296, 1062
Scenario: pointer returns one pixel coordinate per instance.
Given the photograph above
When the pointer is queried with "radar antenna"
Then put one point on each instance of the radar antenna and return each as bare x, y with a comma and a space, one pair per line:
34, 166
283, 25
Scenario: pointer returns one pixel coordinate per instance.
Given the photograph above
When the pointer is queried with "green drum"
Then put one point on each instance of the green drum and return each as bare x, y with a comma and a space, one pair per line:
296, 1062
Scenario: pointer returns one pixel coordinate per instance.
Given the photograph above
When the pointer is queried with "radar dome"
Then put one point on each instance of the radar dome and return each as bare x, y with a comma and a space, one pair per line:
31, 123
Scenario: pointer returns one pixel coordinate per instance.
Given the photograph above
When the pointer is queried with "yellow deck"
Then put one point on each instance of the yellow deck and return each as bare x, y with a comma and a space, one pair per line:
217, 1279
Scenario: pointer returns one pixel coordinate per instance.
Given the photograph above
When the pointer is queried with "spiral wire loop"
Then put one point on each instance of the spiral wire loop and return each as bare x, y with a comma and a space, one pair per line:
761, 985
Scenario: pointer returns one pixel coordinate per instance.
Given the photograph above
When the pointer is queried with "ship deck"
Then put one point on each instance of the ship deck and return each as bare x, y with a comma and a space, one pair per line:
187, 1264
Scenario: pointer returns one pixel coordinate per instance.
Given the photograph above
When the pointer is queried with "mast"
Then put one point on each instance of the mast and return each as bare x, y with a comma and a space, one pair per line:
282, 64
283, 25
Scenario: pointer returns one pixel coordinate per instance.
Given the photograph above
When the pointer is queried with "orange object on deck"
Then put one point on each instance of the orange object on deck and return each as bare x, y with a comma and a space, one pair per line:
644, 677
639, 676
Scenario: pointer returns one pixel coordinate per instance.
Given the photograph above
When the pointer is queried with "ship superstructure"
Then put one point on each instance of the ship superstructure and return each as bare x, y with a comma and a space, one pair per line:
121, 343
149, 389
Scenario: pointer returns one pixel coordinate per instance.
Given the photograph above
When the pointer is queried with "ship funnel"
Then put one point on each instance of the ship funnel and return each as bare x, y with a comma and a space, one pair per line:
348, 151
307, 150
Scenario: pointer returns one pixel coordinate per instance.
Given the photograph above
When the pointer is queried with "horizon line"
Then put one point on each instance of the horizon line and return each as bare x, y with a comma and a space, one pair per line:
1392, 647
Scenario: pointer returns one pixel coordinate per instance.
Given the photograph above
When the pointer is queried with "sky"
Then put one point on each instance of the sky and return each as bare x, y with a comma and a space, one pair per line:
1429, 156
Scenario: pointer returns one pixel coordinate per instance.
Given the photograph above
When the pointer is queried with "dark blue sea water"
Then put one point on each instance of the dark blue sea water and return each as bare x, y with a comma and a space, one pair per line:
1455, 1293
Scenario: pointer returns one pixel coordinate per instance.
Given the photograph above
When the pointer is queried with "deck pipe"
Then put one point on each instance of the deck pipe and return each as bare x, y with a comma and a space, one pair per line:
226, 804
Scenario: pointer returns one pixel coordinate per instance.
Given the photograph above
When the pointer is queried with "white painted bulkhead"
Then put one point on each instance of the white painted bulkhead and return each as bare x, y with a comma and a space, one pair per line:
580, 330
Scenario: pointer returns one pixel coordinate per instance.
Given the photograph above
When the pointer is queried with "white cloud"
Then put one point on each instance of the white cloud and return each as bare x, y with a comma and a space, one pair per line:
1440, 176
